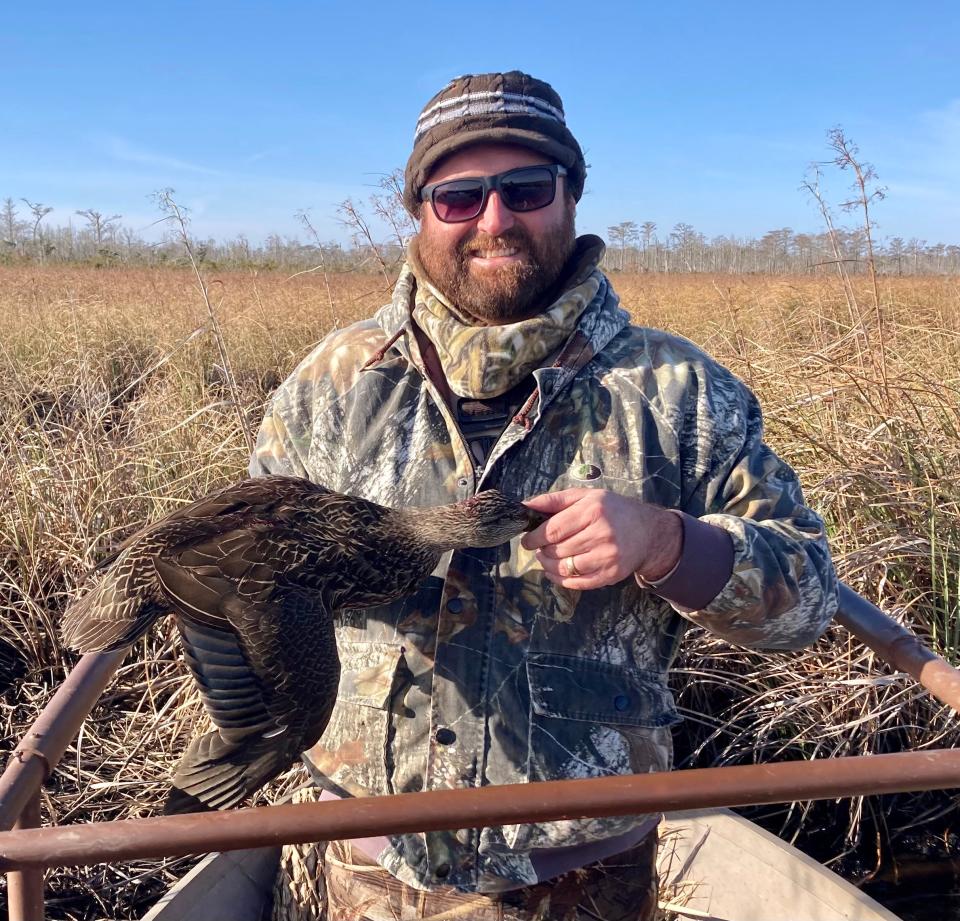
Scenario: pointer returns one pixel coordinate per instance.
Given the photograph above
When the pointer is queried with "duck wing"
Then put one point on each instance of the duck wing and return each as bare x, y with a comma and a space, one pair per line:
262, 650
122, 606
252, 495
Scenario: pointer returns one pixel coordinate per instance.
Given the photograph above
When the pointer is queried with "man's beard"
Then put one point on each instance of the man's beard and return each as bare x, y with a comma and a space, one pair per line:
506, 294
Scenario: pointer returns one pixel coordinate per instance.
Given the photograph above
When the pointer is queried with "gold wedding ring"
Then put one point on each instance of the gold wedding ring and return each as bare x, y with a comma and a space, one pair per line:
571, 565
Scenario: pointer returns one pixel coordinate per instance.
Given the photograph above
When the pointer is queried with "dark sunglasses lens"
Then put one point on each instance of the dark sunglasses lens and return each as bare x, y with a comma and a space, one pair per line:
528, 189
458, 200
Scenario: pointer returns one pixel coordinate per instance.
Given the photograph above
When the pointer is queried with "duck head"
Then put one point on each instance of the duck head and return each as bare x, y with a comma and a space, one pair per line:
487, 519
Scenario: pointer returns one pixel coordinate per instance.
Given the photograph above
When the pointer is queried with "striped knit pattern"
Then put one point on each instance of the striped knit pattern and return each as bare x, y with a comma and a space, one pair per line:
485, 103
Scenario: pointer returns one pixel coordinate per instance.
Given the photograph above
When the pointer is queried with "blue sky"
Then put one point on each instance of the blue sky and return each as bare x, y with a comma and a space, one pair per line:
706, 113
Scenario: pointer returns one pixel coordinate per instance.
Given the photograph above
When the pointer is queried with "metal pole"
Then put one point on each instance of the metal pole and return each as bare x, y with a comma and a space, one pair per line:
38, 753
25, 887
898, 646
476, 807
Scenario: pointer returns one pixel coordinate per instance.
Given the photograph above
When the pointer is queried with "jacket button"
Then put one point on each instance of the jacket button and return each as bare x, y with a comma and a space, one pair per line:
442, 871
455, 605
621, 702
445, 736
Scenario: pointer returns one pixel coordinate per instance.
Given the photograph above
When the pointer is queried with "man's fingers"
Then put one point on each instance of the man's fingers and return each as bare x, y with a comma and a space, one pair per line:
566, 567
554, 530
556, 572
577, 544
567, 517
552, 502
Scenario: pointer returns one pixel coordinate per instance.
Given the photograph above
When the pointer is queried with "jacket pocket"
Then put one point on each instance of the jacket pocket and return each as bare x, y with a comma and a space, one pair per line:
571, 688
352, 752
591, 719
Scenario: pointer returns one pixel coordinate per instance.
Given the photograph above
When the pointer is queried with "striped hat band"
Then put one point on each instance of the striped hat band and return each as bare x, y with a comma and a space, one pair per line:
486, 103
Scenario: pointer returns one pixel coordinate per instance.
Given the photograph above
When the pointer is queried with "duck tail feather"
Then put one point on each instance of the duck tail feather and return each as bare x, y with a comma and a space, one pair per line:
94, 624
216, 773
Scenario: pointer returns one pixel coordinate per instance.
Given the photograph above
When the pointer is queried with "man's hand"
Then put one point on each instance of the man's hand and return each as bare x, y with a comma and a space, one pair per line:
596, 538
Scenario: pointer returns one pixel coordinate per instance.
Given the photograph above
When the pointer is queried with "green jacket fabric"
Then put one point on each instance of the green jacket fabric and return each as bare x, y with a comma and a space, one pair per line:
491, 674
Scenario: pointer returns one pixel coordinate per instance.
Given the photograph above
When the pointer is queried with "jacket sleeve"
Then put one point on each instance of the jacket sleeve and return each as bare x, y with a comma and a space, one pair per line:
782, 590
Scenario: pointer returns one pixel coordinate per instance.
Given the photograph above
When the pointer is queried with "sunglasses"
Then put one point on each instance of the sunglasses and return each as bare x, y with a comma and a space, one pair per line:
527, 188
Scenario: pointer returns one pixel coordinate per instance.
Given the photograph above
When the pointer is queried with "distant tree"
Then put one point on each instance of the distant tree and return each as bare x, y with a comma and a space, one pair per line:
804, 249
953, 257
98, 223
855, 245
648, 237
897, 249
39, 212
938, 252
919, 248
783, 243
648, 233
274, 246
687, 243
9, 223
622, 235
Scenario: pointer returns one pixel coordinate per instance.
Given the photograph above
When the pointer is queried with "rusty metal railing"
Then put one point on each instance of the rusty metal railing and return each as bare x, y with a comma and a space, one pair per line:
898, 647
629, 794
34, 759
41, 749
27, 850
25, 886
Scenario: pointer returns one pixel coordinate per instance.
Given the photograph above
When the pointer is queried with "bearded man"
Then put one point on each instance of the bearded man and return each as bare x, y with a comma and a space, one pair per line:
505, 361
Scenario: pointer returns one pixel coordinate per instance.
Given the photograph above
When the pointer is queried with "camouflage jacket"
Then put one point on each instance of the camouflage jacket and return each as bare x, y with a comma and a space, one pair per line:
490, 674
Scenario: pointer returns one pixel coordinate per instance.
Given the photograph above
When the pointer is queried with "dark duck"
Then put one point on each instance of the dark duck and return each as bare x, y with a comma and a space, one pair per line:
254, 575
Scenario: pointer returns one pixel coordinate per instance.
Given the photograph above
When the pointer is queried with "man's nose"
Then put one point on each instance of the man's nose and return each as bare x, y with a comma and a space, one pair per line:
496, 217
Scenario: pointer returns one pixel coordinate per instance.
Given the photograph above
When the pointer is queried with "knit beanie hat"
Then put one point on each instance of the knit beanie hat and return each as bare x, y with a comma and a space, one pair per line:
510, 108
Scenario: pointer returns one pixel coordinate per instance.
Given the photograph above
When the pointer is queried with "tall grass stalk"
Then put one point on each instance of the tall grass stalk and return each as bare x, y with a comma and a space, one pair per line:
168, 204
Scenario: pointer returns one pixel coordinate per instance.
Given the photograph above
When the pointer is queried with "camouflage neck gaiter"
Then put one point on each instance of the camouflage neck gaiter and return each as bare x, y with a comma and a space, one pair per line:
485, 361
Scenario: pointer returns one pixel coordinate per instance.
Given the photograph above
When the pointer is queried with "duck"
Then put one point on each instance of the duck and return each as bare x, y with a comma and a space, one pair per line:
254, 575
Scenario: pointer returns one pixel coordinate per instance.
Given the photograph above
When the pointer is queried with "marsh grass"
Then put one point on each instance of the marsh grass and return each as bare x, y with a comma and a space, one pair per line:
115, 407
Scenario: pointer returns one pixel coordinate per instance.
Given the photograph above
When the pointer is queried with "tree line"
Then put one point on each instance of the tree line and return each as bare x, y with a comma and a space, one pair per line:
27, 236
636, 247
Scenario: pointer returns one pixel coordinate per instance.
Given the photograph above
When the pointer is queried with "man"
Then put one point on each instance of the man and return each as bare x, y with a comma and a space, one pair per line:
504, 360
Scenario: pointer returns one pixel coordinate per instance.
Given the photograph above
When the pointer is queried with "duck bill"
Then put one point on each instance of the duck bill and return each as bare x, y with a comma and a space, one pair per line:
535, 519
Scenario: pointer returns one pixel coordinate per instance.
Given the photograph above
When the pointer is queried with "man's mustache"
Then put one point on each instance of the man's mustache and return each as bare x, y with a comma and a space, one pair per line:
485, 243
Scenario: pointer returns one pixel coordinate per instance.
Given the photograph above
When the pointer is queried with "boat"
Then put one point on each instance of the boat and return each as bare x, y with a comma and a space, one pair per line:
717, 866
714, 866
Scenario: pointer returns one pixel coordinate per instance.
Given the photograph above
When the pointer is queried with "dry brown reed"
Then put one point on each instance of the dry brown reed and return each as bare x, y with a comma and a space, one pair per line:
116, 407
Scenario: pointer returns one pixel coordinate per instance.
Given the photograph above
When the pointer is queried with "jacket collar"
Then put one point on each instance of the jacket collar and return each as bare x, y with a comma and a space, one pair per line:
599, 323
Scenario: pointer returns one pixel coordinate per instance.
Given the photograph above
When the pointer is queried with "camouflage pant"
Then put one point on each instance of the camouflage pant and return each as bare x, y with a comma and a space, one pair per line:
620, 888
